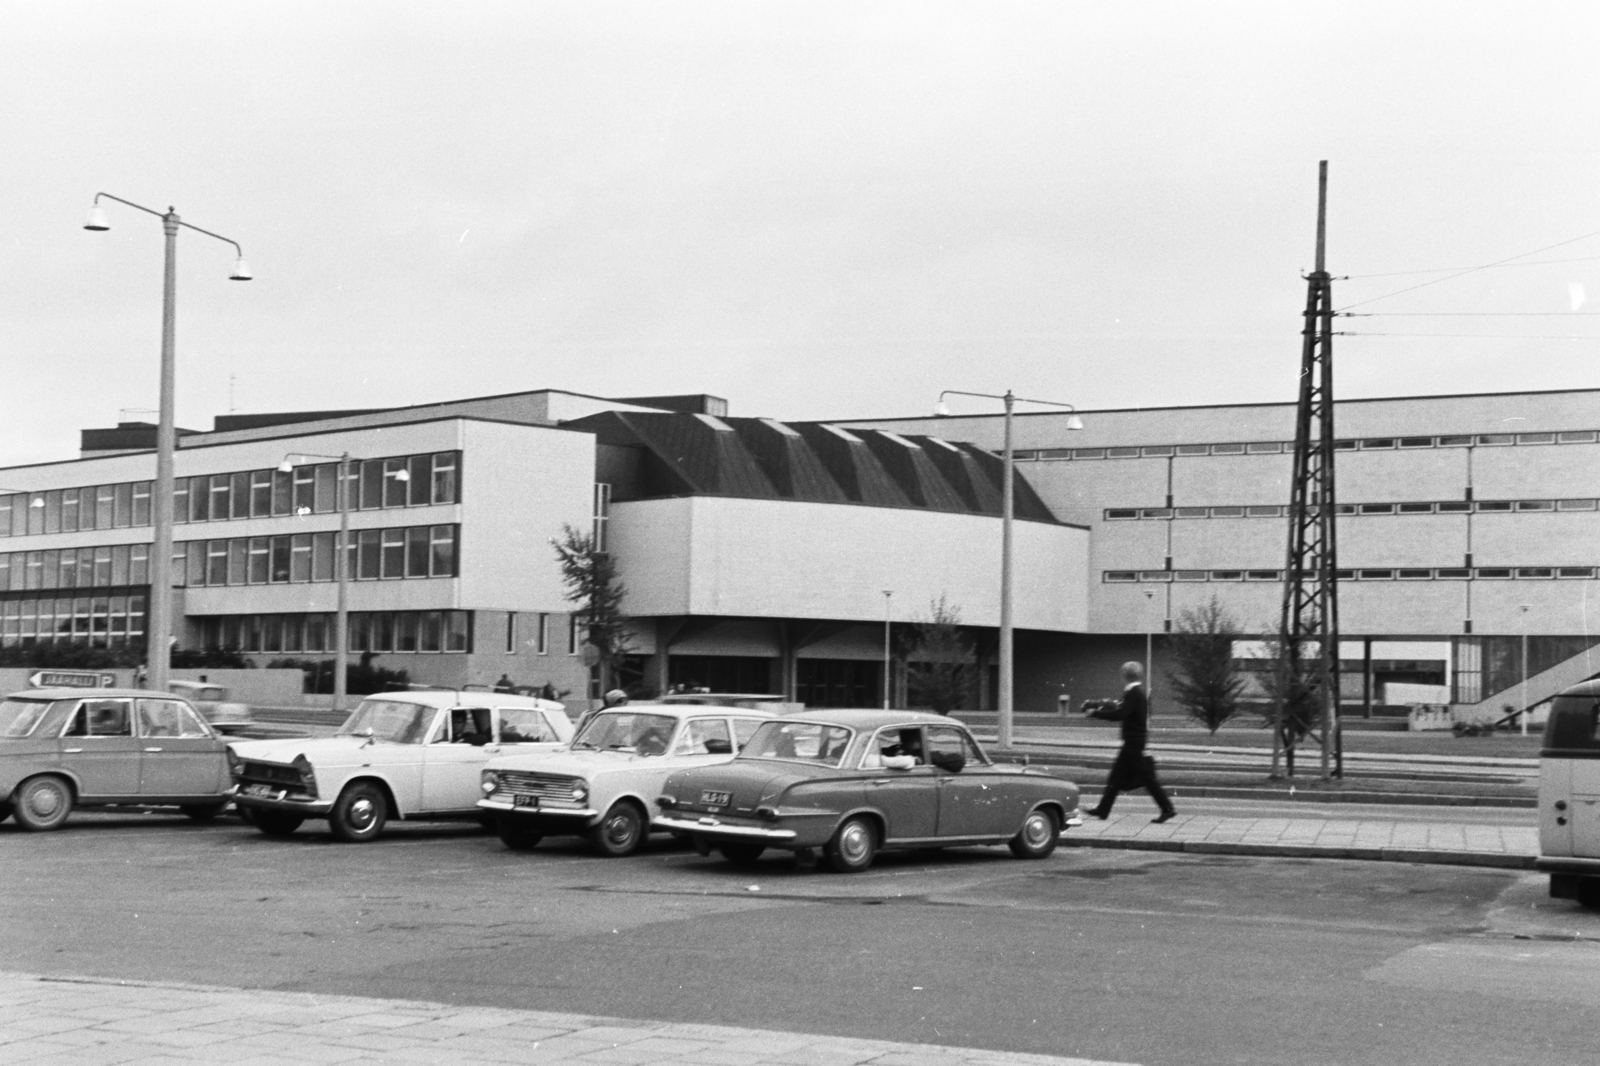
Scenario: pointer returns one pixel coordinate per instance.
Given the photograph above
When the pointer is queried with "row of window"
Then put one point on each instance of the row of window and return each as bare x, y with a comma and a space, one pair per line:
100, 621
1439, 573
1272, 447
374, 554
373, 484
1114, 514
540, 640
374, 631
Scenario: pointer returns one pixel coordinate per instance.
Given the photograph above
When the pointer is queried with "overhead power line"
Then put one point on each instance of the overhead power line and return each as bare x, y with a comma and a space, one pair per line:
1471, 270
1454, 270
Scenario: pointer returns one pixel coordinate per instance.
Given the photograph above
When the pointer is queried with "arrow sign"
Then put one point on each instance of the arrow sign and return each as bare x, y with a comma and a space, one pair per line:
71, 679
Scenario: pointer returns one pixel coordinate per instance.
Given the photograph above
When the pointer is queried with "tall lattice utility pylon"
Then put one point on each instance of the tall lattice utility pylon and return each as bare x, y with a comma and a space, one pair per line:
1307, 680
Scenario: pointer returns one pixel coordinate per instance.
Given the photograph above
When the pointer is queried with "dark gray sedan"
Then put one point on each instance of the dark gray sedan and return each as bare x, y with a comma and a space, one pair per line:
66, 748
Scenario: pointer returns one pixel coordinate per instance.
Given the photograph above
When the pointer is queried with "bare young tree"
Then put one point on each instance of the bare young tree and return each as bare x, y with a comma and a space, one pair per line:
940, 669
1203, 677
590, 579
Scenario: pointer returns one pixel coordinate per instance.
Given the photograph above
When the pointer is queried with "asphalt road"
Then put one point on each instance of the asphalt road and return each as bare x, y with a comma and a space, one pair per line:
1141, 957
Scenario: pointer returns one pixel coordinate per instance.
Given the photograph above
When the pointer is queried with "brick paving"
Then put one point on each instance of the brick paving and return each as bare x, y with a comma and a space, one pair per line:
1353, 837
46, 1021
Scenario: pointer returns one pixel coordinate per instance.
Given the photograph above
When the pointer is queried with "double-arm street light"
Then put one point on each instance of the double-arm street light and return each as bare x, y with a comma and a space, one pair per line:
341, 564
159, 629
1007, 509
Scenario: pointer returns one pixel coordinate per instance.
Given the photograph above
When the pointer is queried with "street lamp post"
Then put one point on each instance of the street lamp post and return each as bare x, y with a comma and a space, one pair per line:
159, 630
1523, 699
888, 671
1149, 645
1007, 507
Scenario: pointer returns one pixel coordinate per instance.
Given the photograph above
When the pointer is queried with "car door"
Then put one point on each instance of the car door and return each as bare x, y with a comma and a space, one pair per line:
98, 747
452, 760
972, 797
909, 798
179, 757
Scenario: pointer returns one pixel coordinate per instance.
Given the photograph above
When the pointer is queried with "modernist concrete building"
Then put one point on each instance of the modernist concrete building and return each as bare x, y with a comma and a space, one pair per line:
758, 554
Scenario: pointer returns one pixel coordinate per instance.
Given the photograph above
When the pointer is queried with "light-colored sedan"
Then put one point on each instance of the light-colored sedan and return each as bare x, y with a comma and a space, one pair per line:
212, 701
411, 755
606, 784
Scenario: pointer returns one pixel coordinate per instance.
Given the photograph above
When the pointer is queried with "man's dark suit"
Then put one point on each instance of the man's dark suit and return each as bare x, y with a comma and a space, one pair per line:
1131, 770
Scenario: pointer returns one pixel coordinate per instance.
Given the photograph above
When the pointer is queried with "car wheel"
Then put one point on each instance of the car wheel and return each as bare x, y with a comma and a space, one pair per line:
742, 854
203, 812
42, 804
1589, 893
620, 832
517, 834
853, 846
5, 811
275, 823
359, 813
1038, 836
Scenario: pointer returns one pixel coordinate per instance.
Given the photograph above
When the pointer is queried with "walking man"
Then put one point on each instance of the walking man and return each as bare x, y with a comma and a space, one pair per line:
1132, 768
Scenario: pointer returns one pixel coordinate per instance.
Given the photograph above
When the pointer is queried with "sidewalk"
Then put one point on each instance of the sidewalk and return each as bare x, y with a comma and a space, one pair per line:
99, 1022
1374, 839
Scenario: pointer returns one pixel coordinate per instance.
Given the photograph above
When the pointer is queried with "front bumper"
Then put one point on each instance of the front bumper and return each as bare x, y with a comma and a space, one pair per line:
584, 815
1567, 864
711, 828
283, 800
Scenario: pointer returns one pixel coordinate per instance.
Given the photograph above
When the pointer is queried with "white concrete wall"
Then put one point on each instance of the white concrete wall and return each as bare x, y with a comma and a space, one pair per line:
780, 559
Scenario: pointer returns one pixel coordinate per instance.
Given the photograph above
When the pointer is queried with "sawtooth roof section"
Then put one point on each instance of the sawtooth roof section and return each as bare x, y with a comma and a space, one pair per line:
762, 459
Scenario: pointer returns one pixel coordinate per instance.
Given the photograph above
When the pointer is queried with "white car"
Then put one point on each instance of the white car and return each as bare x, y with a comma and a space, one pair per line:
399, 755
605, 785
225, 715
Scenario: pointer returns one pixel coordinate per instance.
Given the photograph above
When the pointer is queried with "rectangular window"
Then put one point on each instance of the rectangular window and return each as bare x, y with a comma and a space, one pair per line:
1372, 443
443, 547
1264, 511
1494, 505
1055, 453
1088, 453
86, 568
368, 554
405, 631
293, 632
282, 492
1377, 575
1192, 512
305, 484
1227, 449
1416, 442
260, 561
1377, 508
1454, 442
50, 572
383, 631
1575, 571
360, 631
1121, 575
1156, 512
1493, 573
1264, 447
602, 515
431, 635
120, 554
1452, 506
1494, 439
1189, 575
1582, 436
238, 561
417, 551
195, 562
139, 564
458, 631
180, 503
221, 497
1535, 571
1156, 450
371, 484
1536, 438
1115, 513
69, 513
1155, 575
419, 487
394, 552
1452, 573
260, 493
141, 503
511, 632
238, 495
322, 556
280, 560
1536, 505
66, 570
1121, 453
300, 558
1414, 575
8, 510
317, 633
200, 499
105, 506
1193, 449
1227, 575
395, 476
541, 635
271, 632
1227, 512
1021, 456
52, 511
1416, 508
572, 634
1575, 505
102, 566
216, 562
1263, 575
325, 494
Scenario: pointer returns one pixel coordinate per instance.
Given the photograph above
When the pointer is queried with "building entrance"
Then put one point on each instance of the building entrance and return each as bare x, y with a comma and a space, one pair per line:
839, 683
722, 673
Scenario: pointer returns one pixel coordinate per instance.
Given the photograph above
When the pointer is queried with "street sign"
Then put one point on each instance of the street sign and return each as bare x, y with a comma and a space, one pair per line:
589, 655
72, 679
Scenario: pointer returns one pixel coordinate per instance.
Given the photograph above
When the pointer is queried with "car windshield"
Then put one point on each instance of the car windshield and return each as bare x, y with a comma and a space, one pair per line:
799, 742
18, 717
643, 734
391, 720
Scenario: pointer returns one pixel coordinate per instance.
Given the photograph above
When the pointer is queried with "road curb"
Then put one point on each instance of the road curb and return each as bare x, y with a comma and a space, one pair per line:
1307, 851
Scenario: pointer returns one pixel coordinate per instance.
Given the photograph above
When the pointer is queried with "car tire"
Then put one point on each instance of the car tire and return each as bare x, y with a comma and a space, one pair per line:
853, 846
359, 813
620, 832
202, 812
1589, 893
275, 823
5, 812
516, 833
42, 803
741, 854
1037, 838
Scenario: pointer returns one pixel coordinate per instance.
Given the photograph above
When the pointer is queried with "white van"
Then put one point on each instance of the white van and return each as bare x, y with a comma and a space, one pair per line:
1569, 795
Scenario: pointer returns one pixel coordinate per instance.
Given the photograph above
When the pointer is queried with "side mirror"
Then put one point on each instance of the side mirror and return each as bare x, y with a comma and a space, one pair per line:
952, 761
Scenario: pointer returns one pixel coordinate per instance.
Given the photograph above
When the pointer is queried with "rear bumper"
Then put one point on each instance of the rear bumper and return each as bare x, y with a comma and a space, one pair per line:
1567, 865
711, 829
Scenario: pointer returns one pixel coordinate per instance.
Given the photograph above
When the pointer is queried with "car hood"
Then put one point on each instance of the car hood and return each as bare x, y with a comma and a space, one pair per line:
330, 751
746, 781
585, 763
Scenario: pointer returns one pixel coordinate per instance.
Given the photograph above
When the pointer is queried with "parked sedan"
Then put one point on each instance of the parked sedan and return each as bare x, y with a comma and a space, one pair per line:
399, 755
64, 748
605, 786
856, 782
225, 715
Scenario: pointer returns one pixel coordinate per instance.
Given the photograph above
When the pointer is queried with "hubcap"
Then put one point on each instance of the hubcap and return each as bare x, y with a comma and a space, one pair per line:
854, 842
1037, 831
45, 800
363, 813
619, 830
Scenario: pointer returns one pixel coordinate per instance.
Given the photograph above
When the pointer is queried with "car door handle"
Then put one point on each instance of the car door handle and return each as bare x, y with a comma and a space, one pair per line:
152, 749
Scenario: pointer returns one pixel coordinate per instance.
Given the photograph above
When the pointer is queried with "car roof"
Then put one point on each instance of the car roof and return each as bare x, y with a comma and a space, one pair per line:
718, 697
74, 693
870, 717
690, 710
449, 697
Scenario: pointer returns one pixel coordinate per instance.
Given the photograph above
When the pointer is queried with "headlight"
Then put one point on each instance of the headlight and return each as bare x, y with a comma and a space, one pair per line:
491, 782
235, 764
580, 792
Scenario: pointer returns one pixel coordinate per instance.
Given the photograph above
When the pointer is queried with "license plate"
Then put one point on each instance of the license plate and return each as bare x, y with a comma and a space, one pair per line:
263, 790
715, 799
524, 801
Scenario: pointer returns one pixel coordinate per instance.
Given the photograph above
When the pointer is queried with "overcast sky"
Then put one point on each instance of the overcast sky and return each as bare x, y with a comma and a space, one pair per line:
814, 210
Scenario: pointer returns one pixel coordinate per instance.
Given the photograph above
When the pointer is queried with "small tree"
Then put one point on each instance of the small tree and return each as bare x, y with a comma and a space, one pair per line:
590, 578
1203, 677
939, 660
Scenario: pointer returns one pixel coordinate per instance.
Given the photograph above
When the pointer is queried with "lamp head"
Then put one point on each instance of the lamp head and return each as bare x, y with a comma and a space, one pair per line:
241, 270
286, 467
402, 475
941, 410
97, 218
1074, 422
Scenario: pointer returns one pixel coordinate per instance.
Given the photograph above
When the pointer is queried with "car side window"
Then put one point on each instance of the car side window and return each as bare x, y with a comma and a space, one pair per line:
100, 718
168, 718
897, 743
951, 749
743, 730
706, 736
466, 725
525, 725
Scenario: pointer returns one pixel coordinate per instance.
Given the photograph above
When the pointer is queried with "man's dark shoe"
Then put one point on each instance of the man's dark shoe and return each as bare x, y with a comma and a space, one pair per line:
1096, 812
1165, 816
